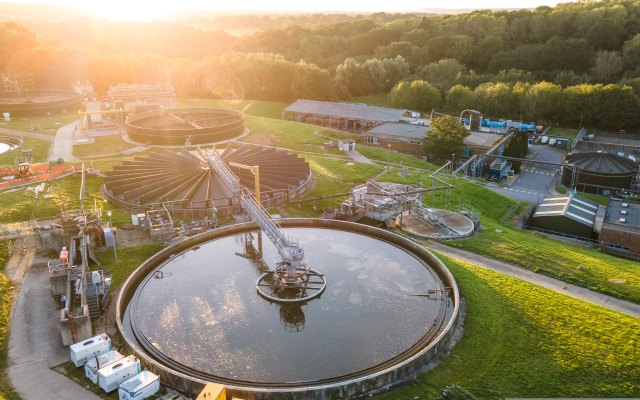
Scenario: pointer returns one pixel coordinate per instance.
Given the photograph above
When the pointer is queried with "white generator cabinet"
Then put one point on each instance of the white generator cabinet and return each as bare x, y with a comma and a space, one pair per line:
113, 375
82, 351
141, 386
93, 365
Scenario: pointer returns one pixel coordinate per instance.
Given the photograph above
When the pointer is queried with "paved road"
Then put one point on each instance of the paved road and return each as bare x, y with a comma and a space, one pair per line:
556, 285
63, 144
535, 181
34, 339
357, 157
41, 136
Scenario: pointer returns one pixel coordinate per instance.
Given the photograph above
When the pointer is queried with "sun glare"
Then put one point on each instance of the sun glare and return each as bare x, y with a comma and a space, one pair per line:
128, 11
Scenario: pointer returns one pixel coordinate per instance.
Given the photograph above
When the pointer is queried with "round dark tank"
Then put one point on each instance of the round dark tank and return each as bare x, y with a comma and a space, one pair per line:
598, 172
193, 313
185, 126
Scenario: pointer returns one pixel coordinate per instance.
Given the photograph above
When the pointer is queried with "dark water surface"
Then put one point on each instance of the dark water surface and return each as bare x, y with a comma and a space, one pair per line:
205, 312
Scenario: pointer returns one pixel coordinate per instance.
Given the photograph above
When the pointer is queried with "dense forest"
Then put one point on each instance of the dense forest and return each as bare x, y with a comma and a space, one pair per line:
574, 63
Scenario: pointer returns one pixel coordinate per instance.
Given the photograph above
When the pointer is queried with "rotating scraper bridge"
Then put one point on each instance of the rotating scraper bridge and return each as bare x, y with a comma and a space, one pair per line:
197, 184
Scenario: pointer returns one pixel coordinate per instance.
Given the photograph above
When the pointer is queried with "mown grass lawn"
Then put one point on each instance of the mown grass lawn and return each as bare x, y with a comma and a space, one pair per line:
40, 151
21, 205
101, 146
129, 258
564, 132
41, 124
293, 135
521, 340
333, 176
586, 267
6, 297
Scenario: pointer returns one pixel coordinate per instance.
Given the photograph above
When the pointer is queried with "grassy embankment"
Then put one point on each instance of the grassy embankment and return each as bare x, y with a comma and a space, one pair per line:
521, 340
584, 267
22, 205
6, 297
581, 266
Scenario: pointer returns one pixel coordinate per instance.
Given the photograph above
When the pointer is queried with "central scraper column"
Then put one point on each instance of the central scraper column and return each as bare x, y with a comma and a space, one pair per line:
292, 280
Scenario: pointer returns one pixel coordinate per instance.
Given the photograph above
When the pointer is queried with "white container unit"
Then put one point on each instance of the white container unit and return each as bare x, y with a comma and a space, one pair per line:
141, 386
82, 351
93, 365
114, 374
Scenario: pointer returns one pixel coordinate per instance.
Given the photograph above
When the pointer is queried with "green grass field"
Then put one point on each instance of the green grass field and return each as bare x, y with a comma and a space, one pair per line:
581, 266
333, 176
43, 124
129, 258
22, 205
564, 132
521, 340
6, 296
40, 151
293, 135
101, 146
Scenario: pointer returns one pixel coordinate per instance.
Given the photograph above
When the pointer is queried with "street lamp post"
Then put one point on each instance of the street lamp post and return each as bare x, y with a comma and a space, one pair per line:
115, 253
453, 162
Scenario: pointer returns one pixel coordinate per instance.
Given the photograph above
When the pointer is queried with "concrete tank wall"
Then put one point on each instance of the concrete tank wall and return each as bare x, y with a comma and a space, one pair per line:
351, 388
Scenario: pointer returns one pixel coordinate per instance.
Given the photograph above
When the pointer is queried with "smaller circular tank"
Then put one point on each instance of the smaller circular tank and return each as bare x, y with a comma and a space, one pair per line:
598, 172
191, 126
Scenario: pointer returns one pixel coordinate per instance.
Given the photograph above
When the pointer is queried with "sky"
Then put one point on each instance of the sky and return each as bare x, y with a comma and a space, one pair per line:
152, 9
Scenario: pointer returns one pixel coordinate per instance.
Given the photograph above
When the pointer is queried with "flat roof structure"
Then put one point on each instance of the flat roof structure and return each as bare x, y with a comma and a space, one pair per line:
570, 215
399, 129
620, 231
346, 110
625, 215
486, 140
575, 207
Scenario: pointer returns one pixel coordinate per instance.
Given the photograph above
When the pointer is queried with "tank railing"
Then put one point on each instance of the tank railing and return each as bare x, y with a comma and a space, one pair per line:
290, 252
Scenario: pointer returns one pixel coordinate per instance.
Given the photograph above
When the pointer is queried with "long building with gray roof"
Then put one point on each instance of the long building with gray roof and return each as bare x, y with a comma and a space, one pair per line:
355, 117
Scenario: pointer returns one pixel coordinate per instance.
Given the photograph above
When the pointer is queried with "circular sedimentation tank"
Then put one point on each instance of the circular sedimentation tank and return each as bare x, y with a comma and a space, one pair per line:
435, 223
39, 102
185, 179
8, 143
175, 127
192, 313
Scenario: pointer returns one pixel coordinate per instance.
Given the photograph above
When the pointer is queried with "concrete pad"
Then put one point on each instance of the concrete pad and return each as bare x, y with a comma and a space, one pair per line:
35, 344
35, 380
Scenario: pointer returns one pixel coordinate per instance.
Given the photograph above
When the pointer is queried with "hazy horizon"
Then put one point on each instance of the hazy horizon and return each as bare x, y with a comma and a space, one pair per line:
140, 10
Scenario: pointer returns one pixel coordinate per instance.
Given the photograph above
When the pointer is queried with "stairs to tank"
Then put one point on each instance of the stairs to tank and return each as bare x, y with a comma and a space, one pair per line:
93, 300
51, 240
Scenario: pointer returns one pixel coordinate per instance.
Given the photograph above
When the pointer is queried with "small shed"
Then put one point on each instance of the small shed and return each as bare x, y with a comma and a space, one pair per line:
568, 215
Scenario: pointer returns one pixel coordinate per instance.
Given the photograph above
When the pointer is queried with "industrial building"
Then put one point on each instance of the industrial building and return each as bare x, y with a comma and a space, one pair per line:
137, 97
397, 136
569, 215
620, 230
622, 143
598, 172
408, 138
352, 117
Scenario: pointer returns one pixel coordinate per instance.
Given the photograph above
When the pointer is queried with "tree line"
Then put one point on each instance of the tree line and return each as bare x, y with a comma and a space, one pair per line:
570, 63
